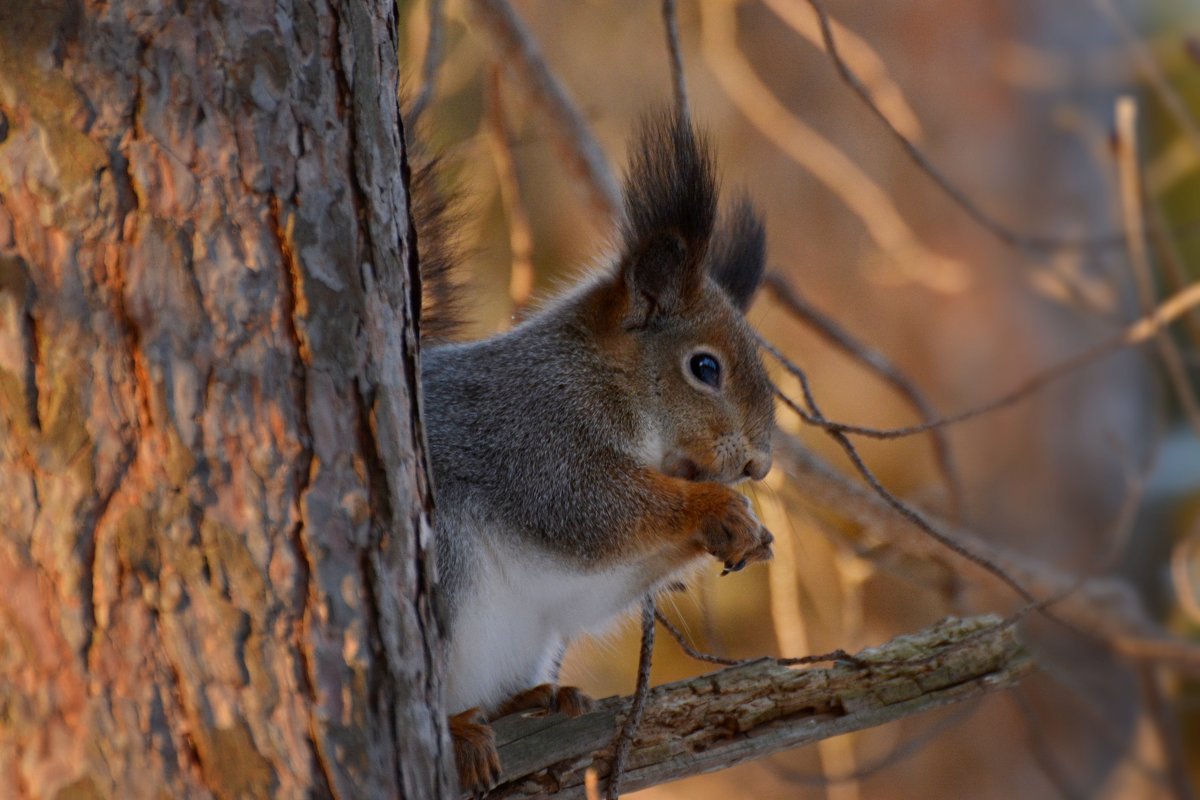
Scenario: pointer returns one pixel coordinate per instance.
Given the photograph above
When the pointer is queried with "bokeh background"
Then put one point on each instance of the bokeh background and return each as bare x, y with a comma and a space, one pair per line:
1098, 473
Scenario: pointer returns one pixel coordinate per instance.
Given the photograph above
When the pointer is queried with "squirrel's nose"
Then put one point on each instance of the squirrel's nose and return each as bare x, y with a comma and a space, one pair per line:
758, 466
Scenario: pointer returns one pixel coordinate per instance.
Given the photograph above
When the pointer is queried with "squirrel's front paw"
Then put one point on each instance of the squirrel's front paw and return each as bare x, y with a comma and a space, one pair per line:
474, 751
735, 536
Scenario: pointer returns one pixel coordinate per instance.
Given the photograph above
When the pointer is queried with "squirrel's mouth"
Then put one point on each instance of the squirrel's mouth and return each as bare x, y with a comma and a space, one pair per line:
678, 465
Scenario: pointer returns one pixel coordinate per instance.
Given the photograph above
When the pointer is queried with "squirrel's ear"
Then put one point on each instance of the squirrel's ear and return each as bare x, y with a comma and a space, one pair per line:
670, 208
740, 253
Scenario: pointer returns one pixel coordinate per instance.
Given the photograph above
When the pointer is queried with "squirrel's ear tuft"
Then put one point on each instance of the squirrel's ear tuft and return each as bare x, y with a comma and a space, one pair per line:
740, 253
670, 208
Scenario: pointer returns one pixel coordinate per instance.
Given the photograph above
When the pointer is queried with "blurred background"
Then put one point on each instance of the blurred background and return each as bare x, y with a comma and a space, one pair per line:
1097, 473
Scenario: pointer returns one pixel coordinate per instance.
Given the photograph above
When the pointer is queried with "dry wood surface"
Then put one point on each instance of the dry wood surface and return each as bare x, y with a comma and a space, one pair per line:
761, 707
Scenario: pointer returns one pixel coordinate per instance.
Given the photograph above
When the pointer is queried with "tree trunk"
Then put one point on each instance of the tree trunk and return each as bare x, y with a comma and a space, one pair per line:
214, 575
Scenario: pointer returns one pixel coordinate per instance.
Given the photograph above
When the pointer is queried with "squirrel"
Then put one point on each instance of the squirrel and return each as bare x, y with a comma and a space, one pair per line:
583, 460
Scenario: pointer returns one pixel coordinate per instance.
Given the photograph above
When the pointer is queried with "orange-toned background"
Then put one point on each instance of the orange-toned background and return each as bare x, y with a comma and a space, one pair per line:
1014, 103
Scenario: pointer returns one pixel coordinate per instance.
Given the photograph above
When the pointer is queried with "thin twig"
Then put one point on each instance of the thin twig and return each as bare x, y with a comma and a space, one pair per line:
836, 656
907, 748
1152, 72
1137, 333
792, 632
520, 234
1182, 655
1105, 609
591, 784
624, 741
1134, 218
1184, 555
1040, 749
1167, 251
881, 365
870, 66
1166, 727
830, 165
1120, 531
911, 514
708, 626
1095, 714
518, 51
678, 80
433, 60
1005, 234
686, 646
903, 509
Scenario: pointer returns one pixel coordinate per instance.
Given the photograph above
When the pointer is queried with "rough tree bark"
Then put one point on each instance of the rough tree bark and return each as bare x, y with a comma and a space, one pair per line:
213, 519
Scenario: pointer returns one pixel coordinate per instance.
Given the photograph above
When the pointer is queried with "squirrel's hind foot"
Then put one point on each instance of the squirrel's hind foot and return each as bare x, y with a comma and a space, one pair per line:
547, 697
475, 751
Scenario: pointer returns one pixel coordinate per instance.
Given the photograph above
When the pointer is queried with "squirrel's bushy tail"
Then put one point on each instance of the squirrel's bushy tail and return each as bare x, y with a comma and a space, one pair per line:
437, 220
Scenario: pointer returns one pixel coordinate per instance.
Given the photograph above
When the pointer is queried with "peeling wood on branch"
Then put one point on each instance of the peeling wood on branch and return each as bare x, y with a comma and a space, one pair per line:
749, 711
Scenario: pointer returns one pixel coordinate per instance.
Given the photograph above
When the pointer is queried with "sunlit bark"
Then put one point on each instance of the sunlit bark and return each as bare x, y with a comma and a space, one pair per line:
213, 566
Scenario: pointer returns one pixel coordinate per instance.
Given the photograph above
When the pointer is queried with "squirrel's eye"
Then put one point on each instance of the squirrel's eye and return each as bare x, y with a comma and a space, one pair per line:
706, 368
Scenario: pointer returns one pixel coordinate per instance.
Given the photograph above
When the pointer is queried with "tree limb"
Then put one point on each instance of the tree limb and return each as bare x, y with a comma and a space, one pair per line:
749, 711
521, 56
1101, 604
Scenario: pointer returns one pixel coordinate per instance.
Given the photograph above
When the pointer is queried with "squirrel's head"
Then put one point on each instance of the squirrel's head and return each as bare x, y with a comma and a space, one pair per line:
674, 314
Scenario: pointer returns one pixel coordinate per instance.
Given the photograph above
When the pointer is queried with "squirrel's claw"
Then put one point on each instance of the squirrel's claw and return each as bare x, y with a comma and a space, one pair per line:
547, 697
736, 537
731, 567
572, 702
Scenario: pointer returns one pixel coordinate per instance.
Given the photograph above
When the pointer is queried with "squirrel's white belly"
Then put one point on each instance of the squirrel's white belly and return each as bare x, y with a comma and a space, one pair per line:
512, 628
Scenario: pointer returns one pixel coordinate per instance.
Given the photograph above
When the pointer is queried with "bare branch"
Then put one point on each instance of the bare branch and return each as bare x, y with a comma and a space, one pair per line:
1041, 750
1136, 333
1005, 234
1169, 255
692, 652
1166, 729
518, 51
1105, 608
520, 233
794, 628
429, 67
916, 517
1177, 653
869, 65
881, 365
1133, 215
1152, 72
745, 712
678, 79
903, 750
1184, 554
623, 742
677, 635
824, 160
